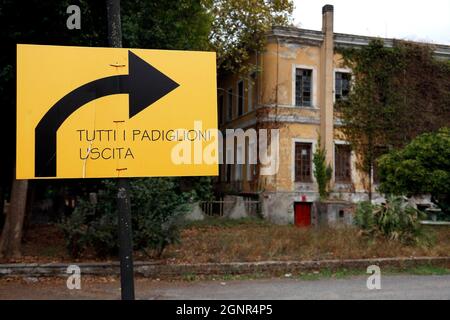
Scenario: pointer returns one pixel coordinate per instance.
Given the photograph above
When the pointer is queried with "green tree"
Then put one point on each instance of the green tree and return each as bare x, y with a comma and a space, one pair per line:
169, 24
397, 93
322, 171
422, 167
239, 29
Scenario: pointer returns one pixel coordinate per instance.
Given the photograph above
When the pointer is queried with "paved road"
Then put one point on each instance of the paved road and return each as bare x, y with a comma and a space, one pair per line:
393, 287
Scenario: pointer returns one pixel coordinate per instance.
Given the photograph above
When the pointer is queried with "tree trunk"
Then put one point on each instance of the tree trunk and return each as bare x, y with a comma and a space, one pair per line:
29, 206
2, 205
114, 23
11, 238
370, 164
59, 203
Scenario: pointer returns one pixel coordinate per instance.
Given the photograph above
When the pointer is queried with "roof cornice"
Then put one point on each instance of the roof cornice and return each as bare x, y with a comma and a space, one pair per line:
293, 34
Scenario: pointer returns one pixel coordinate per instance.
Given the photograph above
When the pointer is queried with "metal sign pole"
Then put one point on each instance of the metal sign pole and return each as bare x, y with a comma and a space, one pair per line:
123, 188
125, 239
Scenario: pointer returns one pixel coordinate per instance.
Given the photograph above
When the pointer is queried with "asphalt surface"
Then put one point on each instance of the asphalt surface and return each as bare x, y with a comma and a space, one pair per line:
392, 287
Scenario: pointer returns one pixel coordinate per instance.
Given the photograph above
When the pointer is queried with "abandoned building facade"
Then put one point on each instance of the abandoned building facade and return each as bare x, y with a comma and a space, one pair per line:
300, 77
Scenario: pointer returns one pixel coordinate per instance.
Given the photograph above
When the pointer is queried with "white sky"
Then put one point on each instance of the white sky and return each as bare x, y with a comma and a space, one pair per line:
416, 20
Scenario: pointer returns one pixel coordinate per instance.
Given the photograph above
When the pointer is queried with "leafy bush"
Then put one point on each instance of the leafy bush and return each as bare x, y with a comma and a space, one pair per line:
322, 172
365, 218
157, 206
75, 230
422, 167
395, 220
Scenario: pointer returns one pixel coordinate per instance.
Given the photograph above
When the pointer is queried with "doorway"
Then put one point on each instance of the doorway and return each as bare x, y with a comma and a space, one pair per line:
302, 212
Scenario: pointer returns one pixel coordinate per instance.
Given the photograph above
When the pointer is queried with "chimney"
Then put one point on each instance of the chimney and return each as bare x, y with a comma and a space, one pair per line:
327, 18
326, 83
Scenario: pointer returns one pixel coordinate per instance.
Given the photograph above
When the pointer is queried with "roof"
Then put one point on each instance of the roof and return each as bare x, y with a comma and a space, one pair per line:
341, 40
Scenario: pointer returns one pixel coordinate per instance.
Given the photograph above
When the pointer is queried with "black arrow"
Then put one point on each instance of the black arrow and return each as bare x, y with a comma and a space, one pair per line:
144, 85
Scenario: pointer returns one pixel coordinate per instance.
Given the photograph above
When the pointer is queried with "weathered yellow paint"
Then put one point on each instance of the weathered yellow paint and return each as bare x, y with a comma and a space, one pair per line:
287, 48
45, 74
287, 58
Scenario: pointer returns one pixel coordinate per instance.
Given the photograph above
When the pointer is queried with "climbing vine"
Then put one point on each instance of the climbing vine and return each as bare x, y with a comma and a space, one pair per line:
397, 93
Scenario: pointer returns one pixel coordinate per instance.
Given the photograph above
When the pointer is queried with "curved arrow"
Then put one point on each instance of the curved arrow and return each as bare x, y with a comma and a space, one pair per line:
144, 85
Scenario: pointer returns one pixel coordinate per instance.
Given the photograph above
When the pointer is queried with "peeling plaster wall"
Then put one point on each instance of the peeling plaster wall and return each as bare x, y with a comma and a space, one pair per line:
273, 93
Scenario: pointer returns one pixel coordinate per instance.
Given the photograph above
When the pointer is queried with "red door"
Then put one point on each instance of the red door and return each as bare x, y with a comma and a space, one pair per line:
302, 214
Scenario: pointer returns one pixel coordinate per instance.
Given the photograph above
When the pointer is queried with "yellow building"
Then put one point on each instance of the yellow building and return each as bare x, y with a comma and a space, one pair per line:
300, 76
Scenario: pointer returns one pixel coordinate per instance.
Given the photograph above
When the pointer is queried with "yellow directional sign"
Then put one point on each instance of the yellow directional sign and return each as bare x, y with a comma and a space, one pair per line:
114, 112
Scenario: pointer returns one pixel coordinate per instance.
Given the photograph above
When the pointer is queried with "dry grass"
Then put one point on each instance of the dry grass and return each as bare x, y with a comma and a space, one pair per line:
219, 240
225, 241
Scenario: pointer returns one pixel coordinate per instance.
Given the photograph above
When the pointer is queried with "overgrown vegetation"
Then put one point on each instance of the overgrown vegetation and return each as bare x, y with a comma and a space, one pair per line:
322, 171
157, 208
223, 240
239, 29
256, 240
422, 167
394, 220
397, 93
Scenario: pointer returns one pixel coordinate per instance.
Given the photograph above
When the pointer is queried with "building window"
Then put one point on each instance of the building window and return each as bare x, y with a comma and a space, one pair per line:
240, 98
220, 177
220, 103
303, 87
251, 158
375, 172
303, 162
238, 166
250, 95
228, 165
342, 165
379, 151
230, 105
342, 85
228, 172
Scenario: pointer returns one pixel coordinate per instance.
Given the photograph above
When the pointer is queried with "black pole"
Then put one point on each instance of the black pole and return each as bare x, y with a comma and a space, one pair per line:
123, 192
125, 240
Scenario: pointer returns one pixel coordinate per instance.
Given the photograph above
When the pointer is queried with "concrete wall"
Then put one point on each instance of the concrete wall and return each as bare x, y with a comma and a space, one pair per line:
278, 207
234, 207
334, 213
195, 213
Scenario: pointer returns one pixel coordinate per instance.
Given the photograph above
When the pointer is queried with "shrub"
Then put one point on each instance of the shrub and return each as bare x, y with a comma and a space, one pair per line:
157, 206
322, 172
422, 167
395, 220
365, 218
75, 231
